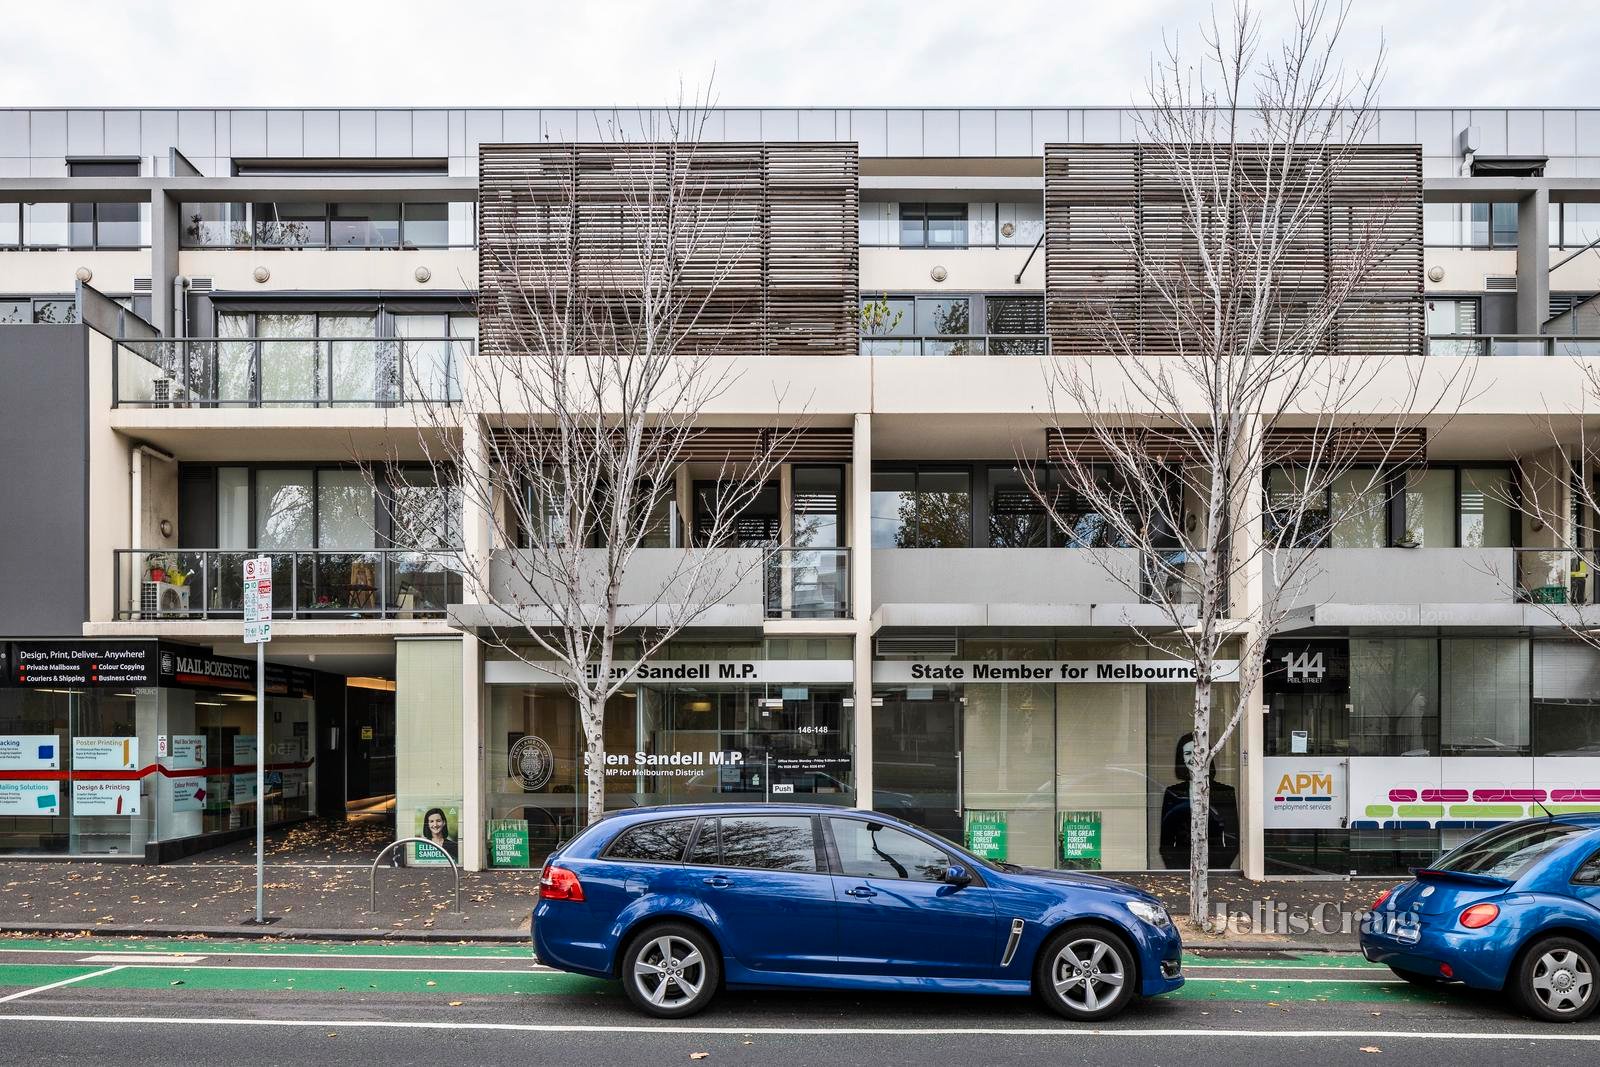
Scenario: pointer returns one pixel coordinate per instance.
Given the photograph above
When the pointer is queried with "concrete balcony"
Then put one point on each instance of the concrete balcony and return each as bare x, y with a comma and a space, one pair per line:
1009, 587
1433, 586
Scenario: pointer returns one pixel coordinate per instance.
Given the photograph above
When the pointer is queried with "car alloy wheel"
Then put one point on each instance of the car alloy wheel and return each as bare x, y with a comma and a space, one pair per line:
1086, 973
671, 971
1557, 979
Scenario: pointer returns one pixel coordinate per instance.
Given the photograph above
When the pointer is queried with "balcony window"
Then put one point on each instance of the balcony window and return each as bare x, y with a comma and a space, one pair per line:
1469, 225
424, 510
55, 312
10, 225
922, 508
1017, 516
1015, 325
15, 312
426, 226
933, 225
1485, 497
285, 510
879, 225
364, 226
47, 226
1359, 508
1296, 516
1571, 226
290, 225
208, 225
1430, 499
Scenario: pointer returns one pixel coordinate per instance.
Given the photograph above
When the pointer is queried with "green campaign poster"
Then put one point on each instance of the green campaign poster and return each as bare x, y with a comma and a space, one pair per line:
1080, 840
508, 842
438, 824
986, 834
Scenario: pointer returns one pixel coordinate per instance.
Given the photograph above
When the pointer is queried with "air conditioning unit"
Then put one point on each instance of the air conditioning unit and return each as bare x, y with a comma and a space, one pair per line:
163, 598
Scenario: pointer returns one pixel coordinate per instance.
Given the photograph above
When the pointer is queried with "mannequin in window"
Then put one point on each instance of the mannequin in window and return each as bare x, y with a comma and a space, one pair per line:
1223, 836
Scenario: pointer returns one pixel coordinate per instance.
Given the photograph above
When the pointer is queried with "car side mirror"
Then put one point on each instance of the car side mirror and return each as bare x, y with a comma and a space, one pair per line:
957, 876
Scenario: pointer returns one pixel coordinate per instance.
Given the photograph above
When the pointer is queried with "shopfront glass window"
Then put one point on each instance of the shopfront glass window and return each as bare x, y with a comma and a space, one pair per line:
1008, 765
1170, 736
1484, 696
1430, 497
1394, 694
1486, 508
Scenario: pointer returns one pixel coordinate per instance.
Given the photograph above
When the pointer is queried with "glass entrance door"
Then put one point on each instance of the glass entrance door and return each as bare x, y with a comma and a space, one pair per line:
916, 757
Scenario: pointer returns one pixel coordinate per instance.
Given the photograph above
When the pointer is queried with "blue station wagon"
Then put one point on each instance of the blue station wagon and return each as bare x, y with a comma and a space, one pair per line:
677, 902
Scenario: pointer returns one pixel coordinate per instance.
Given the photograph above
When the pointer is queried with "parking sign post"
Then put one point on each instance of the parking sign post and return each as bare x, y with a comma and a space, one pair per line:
258, 631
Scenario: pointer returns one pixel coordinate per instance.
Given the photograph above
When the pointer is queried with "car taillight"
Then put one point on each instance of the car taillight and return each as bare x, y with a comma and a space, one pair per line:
558, 883
1383, 896
1480, 915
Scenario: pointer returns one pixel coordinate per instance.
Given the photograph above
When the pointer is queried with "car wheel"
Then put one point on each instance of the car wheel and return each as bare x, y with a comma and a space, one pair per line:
1086, 973
671, 971
1417, 977
1556, 979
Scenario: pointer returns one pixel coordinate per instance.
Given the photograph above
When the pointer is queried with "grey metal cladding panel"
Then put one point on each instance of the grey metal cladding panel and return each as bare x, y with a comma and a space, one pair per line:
13, 133
941, 133
1397, 126
977, 132
817, 126
1525, 133
358, 134
520, 126
430, 133
47, 133
392, 133
249, 134
46, 517
321, 133
1102, 126
223, 125
905, 133
482, 127
458, 133
1588, 133
158, 131
558, 124
1560, 133
1436, 133
86, 133
780, 125
197, 133
285, 135
1052, 127
1013, 133
1492, 123
741, 125
122, 133
870, 131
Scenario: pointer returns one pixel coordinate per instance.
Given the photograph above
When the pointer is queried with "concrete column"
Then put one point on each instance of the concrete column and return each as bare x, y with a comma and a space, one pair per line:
1533, 261
166, 224
859, 505
1249, 592
472, 809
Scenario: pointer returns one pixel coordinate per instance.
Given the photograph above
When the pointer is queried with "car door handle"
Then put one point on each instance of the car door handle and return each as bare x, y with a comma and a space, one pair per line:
718, 881
861, 891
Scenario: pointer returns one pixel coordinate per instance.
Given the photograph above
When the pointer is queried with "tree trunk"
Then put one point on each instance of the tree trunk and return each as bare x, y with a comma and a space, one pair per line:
1200, 805
592, 714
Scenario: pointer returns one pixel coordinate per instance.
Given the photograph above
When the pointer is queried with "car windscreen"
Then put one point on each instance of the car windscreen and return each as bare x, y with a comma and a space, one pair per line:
1507, 852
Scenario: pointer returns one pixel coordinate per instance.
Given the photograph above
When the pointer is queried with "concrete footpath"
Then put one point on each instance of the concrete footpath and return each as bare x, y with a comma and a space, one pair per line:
317, 885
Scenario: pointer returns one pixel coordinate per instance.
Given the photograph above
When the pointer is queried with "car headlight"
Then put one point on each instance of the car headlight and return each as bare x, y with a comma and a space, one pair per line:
1154, 914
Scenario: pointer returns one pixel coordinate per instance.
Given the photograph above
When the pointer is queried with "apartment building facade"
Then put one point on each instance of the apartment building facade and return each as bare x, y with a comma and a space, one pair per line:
220, 327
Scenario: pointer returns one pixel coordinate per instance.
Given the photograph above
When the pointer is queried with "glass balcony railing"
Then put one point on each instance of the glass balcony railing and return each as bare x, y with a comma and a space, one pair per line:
1491, 344
208, 583
1553, 576
280, 372
1032, 344
808, 583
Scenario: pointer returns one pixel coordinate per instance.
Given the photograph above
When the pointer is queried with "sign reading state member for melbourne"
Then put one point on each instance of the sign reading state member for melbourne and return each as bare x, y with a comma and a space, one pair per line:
1070, 671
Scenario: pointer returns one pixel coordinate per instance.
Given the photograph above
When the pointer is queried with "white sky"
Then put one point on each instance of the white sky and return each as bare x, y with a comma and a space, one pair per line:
796, 53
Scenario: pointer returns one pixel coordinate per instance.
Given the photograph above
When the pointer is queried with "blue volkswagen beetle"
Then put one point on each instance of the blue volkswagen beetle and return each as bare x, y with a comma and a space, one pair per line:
679, 901
1516, 909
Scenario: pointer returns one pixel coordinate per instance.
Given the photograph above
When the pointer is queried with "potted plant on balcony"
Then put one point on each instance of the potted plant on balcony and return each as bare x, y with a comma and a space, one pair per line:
162, 567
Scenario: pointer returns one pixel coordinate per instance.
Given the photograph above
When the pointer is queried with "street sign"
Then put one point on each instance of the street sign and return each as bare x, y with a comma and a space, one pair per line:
257, 600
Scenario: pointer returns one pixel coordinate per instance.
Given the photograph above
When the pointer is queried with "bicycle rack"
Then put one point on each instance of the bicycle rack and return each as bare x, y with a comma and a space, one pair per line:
372, 881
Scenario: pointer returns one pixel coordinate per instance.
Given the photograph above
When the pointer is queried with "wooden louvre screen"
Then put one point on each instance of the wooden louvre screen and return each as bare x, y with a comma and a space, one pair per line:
721, 444
768, 265
1288, 446
1172, 446
1104, 203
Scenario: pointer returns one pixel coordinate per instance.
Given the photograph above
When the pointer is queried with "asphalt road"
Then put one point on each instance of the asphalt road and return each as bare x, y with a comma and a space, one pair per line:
204, 1002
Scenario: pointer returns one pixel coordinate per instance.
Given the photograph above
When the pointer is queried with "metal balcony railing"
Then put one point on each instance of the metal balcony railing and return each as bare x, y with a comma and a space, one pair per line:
808, 583
1504, 344
1554, 576
211, 372
208, 583
994, 344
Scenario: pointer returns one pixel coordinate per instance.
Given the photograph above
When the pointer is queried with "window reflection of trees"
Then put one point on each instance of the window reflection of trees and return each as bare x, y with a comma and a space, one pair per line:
777, 843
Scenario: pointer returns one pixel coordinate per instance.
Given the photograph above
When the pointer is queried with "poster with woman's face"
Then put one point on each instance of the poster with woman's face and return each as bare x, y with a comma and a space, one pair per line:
438, 825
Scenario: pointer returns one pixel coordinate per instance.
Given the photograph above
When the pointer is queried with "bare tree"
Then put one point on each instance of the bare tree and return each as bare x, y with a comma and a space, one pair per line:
1251, 335
604, 323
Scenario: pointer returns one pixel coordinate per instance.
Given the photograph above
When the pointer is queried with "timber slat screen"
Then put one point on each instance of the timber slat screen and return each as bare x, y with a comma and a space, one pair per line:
1103, 201
765, 237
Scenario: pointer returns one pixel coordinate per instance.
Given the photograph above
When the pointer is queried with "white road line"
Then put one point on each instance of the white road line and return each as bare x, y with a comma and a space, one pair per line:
143, 959
55, 985
1553, 1035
